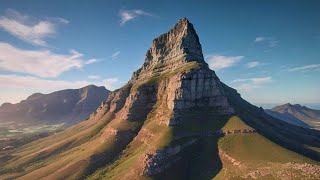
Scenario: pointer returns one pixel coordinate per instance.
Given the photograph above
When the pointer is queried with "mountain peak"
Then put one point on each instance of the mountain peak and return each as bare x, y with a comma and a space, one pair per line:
173, 49
181, 40
289, 105
35, 95
182, 26
297, 105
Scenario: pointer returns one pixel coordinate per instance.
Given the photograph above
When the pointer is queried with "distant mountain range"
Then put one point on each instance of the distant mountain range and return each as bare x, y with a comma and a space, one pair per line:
66, 106
271, 105
297, 115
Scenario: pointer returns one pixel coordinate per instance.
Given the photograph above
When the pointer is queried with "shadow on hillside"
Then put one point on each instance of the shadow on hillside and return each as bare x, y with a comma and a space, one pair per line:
201, 160
205, 162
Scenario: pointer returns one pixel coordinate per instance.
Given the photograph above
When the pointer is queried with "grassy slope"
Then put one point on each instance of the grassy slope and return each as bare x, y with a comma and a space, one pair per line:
202, 161
254, 151
128, 162
57, 151
235, 123
297, 139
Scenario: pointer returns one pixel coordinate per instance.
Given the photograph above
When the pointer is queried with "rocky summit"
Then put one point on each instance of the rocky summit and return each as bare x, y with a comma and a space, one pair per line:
174, 119
178, 55
171, 50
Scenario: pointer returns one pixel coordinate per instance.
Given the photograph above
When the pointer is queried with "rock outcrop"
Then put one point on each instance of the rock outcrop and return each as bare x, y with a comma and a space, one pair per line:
171, 50
177, 57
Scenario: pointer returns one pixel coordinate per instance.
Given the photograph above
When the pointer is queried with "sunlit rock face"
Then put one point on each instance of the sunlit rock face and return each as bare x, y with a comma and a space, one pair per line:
195, 87
171, 50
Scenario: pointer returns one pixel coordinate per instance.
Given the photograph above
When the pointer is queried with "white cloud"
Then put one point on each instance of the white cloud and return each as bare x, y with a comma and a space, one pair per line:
270, 41
28, 29
217, 62
43, 63
115, 55
94, 77
249, 84
254, 64
24, 86
90, 61
110, 83
315, 67
15, 81
247, 87
129, 15
30, 82
261, 80
259, 39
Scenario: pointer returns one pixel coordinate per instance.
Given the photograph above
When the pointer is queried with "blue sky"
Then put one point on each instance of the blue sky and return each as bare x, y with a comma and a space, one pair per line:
267, 50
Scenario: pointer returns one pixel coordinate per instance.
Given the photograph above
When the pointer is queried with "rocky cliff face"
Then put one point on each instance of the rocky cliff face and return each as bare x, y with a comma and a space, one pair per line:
176, 58
174, 71
171, 50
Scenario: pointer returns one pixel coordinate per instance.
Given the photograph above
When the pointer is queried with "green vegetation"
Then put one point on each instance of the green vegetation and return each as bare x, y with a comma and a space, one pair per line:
204, 159
256, 148
9, 133
156, 78
235, 123
57, 151
199, 120
289, 136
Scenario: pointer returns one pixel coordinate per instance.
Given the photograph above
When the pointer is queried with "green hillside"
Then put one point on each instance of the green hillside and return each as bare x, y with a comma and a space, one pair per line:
254, 156
235, 156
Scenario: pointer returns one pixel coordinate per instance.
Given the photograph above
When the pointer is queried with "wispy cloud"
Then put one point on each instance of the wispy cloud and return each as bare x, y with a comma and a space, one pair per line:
15, 81
129, 15
94, 77
217, 62
43, 63
90, 61
29, 29
110, 83
270, 41
315, 67
259, 39
115, 55
254, 64
20, 84
248, 84
261, 80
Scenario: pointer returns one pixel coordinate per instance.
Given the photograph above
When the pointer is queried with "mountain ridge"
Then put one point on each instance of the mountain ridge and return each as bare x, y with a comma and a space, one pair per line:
75, 105
297, 114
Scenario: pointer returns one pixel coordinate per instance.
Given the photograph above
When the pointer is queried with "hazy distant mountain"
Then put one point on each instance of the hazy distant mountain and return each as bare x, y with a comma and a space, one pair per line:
66, 106
289, 118
297, 115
